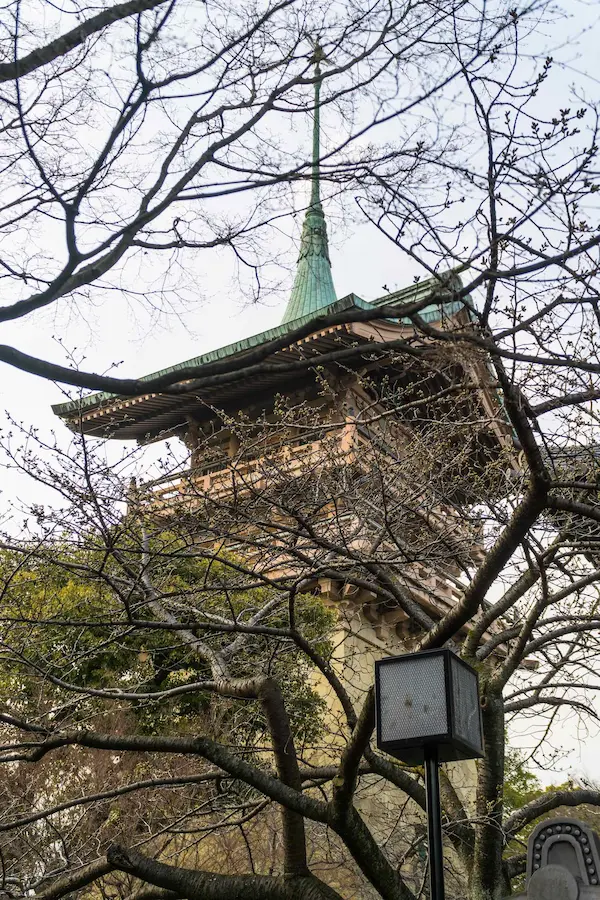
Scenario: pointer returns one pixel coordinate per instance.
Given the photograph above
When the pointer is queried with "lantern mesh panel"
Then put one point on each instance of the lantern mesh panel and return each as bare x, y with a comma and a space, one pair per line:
465, 702
413, 698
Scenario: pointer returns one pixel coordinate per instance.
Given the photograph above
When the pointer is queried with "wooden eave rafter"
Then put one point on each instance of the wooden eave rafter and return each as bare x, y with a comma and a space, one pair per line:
153, 416
157, 415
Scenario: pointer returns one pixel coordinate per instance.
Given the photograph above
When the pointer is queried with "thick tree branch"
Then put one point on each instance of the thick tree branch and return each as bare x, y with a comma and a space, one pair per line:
541, 806
294, 837
522, 519
344, 784
199, 746
369, 855
496, 610
515, 865
489, 842
222, 371
569, 702
75, 880
74, 38
198, 885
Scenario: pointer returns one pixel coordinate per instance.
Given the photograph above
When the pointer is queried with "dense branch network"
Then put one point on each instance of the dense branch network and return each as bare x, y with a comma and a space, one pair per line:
180, 688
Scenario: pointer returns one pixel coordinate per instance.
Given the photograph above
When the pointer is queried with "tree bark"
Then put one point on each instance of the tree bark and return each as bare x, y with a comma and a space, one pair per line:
198, 885
488, 879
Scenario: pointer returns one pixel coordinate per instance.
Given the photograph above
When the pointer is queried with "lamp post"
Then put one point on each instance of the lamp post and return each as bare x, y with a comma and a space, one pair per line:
427, 707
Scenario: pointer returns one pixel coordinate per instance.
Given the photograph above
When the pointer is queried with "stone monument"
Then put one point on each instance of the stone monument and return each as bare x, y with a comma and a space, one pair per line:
563, 862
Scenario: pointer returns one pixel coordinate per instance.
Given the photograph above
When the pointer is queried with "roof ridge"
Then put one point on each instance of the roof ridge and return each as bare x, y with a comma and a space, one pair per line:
449, 279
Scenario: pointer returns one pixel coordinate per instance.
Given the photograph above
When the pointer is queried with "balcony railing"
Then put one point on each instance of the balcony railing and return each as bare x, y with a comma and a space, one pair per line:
219, 477
216, 479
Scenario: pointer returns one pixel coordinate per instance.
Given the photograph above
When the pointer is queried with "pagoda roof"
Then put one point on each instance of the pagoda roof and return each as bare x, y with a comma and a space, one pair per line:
150, 416
210, 382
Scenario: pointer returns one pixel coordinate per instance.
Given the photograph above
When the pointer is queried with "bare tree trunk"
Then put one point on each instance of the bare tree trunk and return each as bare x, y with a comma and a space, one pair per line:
488, 878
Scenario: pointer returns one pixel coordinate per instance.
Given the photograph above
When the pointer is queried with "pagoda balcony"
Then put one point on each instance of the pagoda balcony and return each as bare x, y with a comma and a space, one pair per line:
434, 583
173, 493
184, 492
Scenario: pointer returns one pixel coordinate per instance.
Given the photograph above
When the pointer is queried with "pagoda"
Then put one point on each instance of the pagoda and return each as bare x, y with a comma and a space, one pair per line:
340, 357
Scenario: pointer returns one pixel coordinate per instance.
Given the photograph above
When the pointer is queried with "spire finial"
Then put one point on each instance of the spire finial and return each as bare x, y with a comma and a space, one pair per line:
315, 199
313, 285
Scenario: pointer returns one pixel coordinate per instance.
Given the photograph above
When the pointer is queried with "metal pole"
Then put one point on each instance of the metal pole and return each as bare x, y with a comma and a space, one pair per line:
434, 824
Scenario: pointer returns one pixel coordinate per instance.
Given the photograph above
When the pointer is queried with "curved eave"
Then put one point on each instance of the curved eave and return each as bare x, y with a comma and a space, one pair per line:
154, 415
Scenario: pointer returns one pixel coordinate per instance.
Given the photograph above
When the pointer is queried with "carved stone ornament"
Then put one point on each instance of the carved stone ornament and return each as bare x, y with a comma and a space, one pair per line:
563, 862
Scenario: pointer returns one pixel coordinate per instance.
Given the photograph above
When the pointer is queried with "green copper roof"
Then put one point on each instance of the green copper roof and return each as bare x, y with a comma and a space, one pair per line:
313, 285
229, 350
413, 292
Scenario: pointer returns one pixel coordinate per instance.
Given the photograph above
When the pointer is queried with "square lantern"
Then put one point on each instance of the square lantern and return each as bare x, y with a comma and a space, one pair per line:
428, 700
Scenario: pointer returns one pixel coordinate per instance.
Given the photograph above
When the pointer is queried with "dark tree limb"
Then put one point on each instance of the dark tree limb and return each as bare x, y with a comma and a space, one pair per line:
75, 880
199, 746
515, 865
218, 372
472, 646
286, 760
74, 38
532, 702
487, 866
369, 855
198, 885
344, 784
521, 521
545, 804
149, 892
